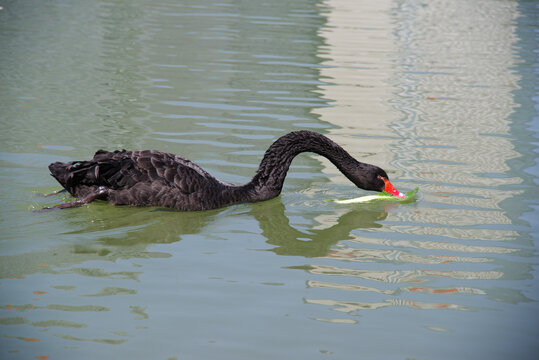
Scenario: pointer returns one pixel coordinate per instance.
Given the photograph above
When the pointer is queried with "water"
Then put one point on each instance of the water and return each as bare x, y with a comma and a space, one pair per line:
440, 94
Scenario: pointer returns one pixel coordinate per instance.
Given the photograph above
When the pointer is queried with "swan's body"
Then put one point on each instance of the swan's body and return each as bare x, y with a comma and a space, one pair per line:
154, 178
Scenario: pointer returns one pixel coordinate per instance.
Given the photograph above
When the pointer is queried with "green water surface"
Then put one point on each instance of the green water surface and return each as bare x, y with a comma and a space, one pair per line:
442, 95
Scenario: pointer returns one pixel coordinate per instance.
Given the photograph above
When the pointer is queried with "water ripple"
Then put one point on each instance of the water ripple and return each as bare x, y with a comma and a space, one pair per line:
218, 106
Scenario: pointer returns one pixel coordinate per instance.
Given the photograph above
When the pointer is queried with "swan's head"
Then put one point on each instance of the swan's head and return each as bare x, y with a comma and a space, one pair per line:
370, 177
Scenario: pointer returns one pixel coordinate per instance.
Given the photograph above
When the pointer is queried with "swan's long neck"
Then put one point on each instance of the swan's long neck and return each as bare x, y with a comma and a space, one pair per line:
268, 180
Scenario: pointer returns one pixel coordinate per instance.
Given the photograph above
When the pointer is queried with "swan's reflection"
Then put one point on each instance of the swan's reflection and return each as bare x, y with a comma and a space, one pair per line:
288, 240
105, 232
164, 226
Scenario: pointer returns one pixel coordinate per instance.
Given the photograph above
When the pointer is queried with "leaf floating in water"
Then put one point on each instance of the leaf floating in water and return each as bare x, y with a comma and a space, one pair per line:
383, 196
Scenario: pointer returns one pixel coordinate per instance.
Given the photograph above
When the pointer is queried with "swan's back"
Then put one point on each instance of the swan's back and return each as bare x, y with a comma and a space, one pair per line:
139, 178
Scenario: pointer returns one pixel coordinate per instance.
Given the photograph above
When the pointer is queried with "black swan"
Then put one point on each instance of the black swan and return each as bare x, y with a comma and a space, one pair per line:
154, 178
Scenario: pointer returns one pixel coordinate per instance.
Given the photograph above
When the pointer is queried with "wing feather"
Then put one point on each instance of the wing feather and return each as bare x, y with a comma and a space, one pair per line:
138, 178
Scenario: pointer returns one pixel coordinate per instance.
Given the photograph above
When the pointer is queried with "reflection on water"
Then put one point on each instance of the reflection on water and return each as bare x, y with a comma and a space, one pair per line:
352, 308
438, 94
316, 242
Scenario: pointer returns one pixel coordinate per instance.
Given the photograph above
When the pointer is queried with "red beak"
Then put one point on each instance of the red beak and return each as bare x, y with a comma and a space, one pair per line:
391, 189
